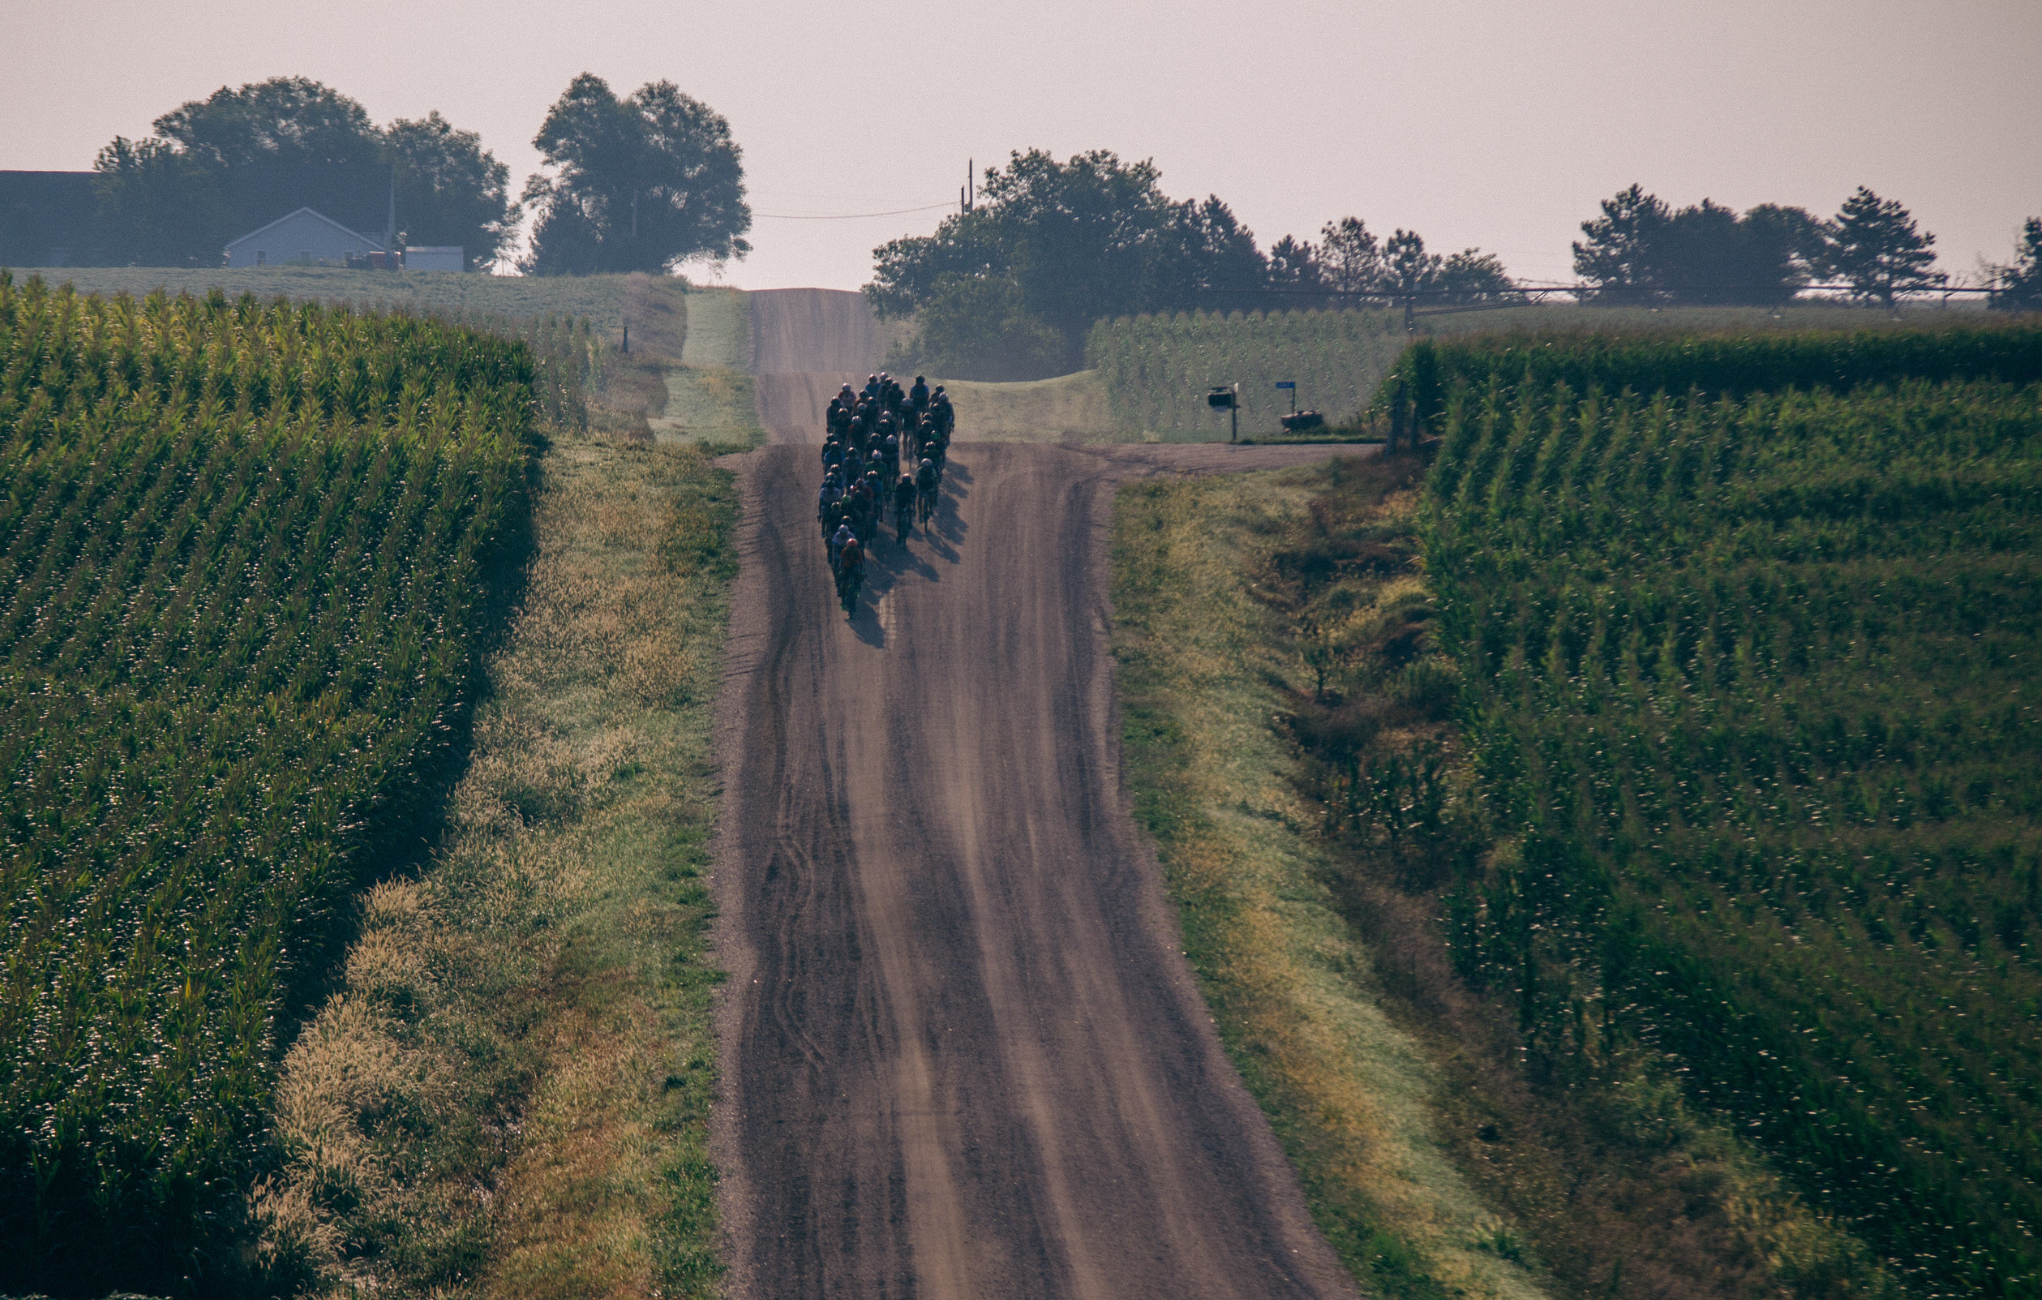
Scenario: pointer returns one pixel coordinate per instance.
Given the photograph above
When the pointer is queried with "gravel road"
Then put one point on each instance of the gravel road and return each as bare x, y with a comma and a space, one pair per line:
806, 343
963, 1054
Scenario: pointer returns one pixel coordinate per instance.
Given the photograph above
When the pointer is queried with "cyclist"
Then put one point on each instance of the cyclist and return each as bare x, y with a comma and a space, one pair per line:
850, 573
918, 396
904, 506
875, 505
926, 480
838, 539
832, 489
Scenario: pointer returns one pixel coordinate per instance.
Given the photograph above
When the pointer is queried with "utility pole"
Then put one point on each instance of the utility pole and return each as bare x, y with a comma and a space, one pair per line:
964, 194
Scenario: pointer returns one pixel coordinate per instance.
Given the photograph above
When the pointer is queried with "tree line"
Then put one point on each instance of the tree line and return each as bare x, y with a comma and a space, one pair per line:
1642, 250
640, 182
1008, 288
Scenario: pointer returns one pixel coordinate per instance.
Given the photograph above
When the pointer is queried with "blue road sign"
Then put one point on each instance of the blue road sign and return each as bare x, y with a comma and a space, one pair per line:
1286, 383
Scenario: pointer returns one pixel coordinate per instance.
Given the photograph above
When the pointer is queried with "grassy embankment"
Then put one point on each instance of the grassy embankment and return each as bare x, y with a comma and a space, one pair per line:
1069, 408
709, 395
508, 1093
1435, 1163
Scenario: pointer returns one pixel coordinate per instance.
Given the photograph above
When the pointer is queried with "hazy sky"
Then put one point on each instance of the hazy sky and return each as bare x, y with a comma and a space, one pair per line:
1499, 124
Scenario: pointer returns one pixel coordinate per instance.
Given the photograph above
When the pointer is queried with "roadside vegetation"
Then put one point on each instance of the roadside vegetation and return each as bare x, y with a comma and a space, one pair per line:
1657, 756
260, 658
254, 554
1203, 664
507, 1093
1746, 646
1273, 634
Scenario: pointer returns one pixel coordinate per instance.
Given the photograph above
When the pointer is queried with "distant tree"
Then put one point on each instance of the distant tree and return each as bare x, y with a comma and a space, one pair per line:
1875, 247
978, 327
1472, 278
1073, 241
176, 198
638, 184
450, 190
1409, 272
1295, 273
1617, 258
2020, 282
289, 119
218, 167
1088, 237
1641, 250
1350, 259
157, 207
1216, 257
1785, 248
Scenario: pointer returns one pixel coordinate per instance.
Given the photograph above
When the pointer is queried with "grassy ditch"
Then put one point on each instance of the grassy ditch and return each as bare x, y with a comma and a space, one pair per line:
507, 1094
1289, 744
1202, 669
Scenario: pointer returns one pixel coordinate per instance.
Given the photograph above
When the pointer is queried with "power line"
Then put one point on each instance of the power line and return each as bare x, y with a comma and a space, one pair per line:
846, 216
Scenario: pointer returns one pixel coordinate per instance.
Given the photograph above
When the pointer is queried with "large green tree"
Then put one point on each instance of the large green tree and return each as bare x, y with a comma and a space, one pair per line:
1642, 250
1876, 249
216, 168
1075, 240
641, 183
450, 190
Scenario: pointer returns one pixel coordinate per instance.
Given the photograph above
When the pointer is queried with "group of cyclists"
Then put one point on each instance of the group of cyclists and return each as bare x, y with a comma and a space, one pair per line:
884, 448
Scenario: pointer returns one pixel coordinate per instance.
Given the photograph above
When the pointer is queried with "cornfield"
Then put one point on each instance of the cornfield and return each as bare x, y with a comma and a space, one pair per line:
1750, 628
1158, 369
248, 555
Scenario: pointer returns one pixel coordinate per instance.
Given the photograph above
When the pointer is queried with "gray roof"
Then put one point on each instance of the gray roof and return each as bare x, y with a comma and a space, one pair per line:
376, 244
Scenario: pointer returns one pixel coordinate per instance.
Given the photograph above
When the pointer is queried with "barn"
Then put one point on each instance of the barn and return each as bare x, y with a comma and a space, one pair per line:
303, 238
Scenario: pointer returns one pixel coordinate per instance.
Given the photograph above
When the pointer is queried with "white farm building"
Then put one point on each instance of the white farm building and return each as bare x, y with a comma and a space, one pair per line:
435, 257
302, 238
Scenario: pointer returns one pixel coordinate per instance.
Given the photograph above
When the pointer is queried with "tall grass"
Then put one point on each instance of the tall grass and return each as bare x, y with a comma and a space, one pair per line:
247, 560
1748, 668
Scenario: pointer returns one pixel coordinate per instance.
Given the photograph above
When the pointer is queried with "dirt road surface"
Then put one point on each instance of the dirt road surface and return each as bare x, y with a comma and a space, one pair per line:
806, 343
963, 1054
